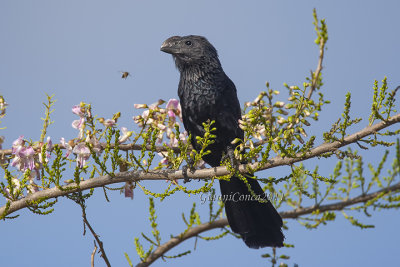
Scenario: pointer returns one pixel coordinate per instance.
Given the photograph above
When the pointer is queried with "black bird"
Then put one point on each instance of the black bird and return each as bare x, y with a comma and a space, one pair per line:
207, 93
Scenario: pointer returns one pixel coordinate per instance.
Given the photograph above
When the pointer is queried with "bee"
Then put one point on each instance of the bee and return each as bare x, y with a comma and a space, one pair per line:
125, 74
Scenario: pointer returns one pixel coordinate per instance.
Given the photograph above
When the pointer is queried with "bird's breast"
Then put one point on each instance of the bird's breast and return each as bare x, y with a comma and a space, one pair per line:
200, 98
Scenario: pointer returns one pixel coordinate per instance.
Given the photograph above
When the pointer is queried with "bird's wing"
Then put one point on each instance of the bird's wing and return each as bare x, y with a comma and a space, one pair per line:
229, 112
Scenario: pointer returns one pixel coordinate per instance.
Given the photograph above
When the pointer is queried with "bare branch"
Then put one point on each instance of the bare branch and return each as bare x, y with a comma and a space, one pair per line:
135, 176
99, 242
173, 242
92, 256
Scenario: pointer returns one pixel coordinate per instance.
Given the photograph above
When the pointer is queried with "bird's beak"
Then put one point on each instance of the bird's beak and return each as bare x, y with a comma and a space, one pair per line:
167, 48
169, 45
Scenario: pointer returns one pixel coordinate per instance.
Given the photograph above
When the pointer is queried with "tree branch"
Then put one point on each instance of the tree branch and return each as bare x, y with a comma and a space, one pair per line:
192, 232
315, 75
135, 176
123, 147
96, 236
162, 249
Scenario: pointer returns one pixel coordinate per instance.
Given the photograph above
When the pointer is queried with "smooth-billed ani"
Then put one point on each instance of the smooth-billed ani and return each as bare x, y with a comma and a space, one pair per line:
207, 93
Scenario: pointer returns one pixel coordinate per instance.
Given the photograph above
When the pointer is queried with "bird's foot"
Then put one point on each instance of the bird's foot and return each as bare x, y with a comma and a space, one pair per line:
230, 154
185, 169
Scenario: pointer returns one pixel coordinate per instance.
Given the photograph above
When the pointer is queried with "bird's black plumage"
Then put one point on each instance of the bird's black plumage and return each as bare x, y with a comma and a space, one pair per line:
207, 93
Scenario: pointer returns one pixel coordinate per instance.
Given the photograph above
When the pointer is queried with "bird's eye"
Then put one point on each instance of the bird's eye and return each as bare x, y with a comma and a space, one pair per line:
188, 43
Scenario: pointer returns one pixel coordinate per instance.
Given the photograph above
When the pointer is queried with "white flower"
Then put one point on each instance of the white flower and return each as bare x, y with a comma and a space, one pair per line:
15, 183
49, 146
140, 106
125, 135
32, 187
109, 123
95, 144
183, 137
80, 125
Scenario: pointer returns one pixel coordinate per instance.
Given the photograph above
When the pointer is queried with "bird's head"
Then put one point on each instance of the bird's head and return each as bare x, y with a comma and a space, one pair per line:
190, 50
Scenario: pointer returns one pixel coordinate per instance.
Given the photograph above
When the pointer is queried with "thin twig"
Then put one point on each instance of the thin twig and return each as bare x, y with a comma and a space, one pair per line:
220, 223
93, 253
313, 86
135, 176
99, 242
315, 75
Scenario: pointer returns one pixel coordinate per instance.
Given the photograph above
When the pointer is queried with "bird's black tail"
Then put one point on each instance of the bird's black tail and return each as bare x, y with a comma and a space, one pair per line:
258, 223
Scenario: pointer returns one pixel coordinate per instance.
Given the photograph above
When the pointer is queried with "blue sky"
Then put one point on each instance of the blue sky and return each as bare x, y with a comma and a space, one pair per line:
75, 50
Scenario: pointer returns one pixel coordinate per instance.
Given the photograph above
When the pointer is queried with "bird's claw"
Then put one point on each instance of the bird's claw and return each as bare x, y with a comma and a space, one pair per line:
230, 154
185, 170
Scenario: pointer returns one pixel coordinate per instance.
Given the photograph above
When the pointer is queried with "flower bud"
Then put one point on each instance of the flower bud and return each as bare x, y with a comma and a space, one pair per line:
140, 106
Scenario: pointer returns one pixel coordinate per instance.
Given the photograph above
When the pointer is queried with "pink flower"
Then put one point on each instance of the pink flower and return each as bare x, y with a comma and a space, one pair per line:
67, 147
128, 189
78, 124
173, 141
172, 104
26, 158
171, 113
83, 154
145, 114
164, 160
17, 144
137, 120
174, 108
23, 158
49, 143
77, 110
155, 105
162, 127
160, 137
